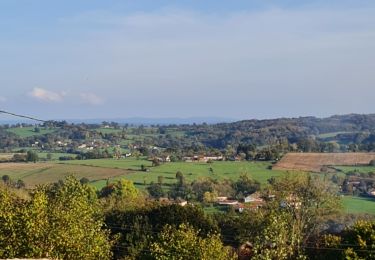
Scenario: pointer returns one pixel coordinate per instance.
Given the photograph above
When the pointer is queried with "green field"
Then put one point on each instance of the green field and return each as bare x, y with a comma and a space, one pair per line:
356, 205
360, 169
29, 131
108, 130
55, 156
192, 171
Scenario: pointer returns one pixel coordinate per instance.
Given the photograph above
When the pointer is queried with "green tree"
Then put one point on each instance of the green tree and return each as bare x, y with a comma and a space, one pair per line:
161, 179
49, 156
297, 212
6, 179
122, 188
32, 156
245, 185
59, 221
185, 243
155, 190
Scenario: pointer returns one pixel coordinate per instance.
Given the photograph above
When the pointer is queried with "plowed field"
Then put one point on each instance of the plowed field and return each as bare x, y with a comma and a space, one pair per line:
314, 162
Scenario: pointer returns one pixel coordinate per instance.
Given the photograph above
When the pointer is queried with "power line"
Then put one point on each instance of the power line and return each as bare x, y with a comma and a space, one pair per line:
23, 116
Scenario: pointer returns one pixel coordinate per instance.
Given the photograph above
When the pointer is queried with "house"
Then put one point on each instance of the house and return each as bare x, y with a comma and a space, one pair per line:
239, 207
255, 197
221, 199
182, 203
199, 158
228, 202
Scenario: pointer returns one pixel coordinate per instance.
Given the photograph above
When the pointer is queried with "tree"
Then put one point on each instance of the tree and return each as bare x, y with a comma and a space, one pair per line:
180, 178
155, 190
209, 197
300, 206
185, 243
32, 156
6, 179
58, 221
161, 179
49, 156
84, 180
245, 185
277, 239
121, 189
20, 184
138, 227
155, 162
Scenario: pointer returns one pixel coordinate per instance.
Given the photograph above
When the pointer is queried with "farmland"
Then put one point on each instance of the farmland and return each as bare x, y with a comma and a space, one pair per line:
41, 173
100, 170
313, 162
220, 170
29, 131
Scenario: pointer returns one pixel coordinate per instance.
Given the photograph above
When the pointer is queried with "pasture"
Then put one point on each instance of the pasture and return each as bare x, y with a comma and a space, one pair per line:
29, 131
359, 169
192, 171
355, 205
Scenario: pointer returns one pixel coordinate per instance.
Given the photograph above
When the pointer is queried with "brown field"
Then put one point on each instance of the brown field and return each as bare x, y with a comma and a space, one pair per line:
41, 173
6, 156
313, 162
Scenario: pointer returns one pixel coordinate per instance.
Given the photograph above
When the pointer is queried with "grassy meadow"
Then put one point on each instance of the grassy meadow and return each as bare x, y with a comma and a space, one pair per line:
29, 131
359, 169
221, 170
355, 205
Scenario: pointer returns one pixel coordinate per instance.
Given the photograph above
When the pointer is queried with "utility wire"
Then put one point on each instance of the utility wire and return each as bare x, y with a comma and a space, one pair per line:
23, 116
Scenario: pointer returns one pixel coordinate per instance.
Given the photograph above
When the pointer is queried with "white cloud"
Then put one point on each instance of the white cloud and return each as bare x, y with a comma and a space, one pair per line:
2, 99
91, 98
47, 95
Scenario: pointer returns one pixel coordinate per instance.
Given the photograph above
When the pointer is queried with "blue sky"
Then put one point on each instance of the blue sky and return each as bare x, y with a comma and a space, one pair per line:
236, 59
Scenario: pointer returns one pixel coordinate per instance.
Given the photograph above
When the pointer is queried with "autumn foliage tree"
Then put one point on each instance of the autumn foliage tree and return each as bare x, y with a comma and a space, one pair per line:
58, 221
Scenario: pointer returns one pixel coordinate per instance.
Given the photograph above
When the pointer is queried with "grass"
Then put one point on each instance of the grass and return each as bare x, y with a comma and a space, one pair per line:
42, 173
129, 163
192, 171
55, 156
356, 205
29, 131
332, 134
108, 130
360, 169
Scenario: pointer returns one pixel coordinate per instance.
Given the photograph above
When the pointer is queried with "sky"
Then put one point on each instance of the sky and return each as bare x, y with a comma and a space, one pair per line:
187, 58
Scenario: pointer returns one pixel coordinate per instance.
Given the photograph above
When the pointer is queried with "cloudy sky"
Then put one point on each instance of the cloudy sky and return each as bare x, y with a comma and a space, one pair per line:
234, 59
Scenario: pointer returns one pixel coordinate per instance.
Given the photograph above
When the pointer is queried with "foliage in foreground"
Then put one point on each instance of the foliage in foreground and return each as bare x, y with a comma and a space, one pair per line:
185, 243
62, 221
